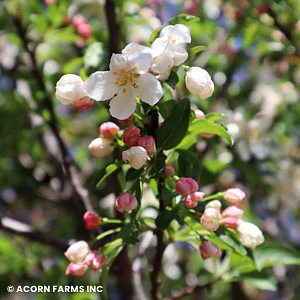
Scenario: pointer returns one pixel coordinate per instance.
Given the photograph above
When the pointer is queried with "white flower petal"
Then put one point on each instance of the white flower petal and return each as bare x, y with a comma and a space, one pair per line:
140, 61
159, 45
149, 89
135, 47
179, 33
180, 56
123, 104
101, 86
118, 62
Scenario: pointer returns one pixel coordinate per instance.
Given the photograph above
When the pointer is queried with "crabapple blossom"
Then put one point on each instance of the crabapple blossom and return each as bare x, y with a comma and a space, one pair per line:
147, 142
128, 76
77, 252
170, 171
91, 220
136, 156
209, 249
192, 199
216, 204
69, 88
76, 270
235, 197
211, 219
199, 82
125, 202
131, 136
186, 186
109, 130
84, 30
95, 260
83, 103
250, 235
101, 147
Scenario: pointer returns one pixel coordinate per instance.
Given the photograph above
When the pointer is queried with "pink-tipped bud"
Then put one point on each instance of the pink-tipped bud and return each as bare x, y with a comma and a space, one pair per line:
95, 260
84, 30
78, 20
170, 171
127, 121
192, 199
232, 212
209, 249
235, 197
216, 204
136, 156
76, 270
230, 222
148, 143
77, 252
211, 219
109, 130
101, 147
186, 186
83, 103
126, 202
199, 114
131, 136
91, 220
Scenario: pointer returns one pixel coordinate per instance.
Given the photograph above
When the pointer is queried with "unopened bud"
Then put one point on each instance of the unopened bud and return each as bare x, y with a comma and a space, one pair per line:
235, 197
131, 136
84, 30
148, 143
136, 156
250, 235
186, 186
126, 202
209, 249
109, 130
76, 270
101, 147
83, 103
211, 219
95, 260
192, 199
77, 252
214, 204
91, 220
170, 171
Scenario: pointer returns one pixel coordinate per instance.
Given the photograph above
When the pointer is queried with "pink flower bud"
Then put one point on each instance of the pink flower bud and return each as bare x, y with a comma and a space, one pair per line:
77, 252
101, 147
83, 103
84, 30
91, 220
49, 2
211, 219
109, 130
127, 121
216, 204
136, 156
95, 260
78, 20
186, 186
126, 202
170, 171
199, 114
209, 249
232, 212
148, 143
131, 136
192, 199
230, 222
235, 197
76, 270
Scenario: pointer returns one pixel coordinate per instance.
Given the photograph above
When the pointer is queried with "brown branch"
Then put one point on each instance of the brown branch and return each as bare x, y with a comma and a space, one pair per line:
16, 227
82, 200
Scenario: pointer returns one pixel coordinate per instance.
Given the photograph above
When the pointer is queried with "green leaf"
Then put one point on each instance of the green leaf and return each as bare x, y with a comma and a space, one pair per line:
108, 170
271, 254
214, 116
173, 129
173, 80
180, 19
158, 168
201, 126
188, 164
195, 50
251, 34
164, 219
241, 263
127, 234
133, 174
111, 251
167, 94
93, 55
166, 196
165, 108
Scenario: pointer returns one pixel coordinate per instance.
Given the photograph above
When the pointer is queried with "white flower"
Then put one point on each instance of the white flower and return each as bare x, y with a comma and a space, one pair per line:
69, 88
101, 147
162, 66
172, 40
198, 82
250, 235
128, 76
136, 156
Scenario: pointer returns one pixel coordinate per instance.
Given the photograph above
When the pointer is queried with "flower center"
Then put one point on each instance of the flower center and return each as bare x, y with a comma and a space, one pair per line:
172, 40
127, 77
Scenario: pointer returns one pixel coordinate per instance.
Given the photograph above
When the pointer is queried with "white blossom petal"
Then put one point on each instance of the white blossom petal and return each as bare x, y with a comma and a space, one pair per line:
180, 56
149, 89
179, 33
135, 47
159, 45
118, 62
101, 85
123, 104
140, 61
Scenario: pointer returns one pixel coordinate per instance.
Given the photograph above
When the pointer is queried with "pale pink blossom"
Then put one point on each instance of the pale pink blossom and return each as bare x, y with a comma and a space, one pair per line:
109, 130
147, 142
192, 199
126, 202
235, 197
131, 136
101, 147
211, 219
76, 270
186, 186
95, 260
209, 249
77, 252
136, 156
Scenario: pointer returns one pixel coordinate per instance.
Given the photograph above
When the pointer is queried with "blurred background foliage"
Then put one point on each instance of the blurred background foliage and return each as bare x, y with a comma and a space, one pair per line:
252, 54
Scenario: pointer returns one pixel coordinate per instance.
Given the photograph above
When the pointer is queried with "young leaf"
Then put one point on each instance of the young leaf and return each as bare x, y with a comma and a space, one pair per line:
165, 108
173, 80
108, 170
133, 174
173, 129
214, 116
111, 251
188, 164
127, 234
164, 219
195, 50
167, 94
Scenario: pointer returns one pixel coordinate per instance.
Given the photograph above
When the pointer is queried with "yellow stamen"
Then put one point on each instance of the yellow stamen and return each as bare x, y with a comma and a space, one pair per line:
124, 90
